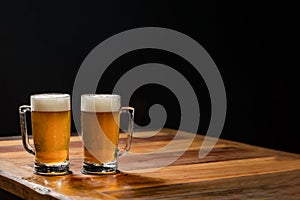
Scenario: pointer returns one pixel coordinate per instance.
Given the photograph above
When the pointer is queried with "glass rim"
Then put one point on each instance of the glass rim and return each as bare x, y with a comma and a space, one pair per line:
101, 95
50, 95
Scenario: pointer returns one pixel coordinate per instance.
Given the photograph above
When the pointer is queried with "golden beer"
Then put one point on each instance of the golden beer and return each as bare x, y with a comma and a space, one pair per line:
100, 122
100, 136
51, 136
51, 127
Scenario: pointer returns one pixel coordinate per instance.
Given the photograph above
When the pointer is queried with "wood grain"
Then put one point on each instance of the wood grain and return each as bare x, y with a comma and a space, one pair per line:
230, 171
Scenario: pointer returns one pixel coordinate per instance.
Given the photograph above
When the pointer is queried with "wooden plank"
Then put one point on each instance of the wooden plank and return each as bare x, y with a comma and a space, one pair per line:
264, 186
230, 171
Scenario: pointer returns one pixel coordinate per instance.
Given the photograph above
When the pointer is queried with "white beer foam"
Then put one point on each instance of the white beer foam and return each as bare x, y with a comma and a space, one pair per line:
51, 102
100, 103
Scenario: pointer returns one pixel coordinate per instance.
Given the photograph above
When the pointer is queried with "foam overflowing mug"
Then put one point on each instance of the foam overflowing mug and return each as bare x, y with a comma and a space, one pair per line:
100, 122
51, 124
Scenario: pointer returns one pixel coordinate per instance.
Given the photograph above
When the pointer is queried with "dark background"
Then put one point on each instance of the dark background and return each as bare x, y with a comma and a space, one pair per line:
43, 44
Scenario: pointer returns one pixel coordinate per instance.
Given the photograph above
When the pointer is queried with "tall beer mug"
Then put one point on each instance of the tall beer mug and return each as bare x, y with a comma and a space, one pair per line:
51, 124
100, 122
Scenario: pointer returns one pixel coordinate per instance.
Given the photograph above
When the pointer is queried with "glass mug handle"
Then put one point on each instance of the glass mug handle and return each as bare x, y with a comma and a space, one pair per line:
130, 111
24, 132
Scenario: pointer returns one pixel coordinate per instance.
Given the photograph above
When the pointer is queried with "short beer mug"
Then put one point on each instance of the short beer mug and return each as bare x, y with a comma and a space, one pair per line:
100, 122
51, 124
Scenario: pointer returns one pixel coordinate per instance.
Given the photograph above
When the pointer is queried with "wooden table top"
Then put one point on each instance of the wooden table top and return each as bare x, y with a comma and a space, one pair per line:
230, 171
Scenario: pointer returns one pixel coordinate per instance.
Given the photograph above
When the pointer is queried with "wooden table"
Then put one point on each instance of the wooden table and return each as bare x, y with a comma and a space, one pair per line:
230, 171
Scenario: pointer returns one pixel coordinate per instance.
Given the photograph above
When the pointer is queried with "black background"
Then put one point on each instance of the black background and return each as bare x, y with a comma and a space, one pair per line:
43, 44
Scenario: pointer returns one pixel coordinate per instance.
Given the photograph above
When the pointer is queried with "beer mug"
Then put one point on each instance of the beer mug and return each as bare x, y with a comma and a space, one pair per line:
100, 122
51, 126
